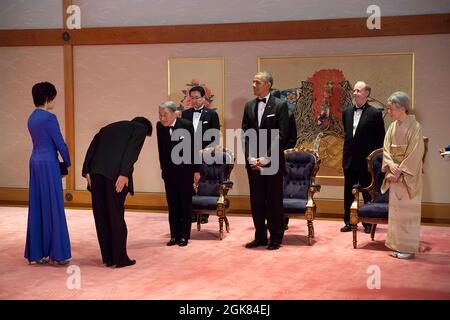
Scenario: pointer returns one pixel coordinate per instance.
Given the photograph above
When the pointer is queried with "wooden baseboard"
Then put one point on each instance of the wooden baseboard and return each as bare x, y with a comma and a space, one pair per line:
435, 213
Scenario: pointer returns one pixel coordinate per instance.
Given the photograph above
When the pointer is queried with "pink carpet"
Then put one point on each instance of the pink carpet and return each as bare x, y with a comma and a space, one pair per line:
212, 269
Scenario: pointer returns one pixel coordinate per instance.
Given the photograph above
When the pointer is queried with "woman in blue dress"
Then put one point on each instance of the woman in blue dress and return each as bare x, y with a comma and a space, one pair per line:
47, 234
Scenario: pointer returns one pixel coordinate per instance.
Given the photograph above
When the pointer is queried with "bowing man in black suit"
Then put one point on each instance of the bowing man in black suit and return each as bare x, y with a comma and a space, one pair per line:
179, 172
203, 120
265, 128
108, 168
364, 132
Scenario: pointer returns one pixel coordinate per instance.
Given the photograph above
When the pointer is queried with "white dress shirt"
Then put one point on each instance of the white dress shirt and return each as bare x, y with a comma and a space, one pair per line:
172, 125
196, 117
261, 106
356, 116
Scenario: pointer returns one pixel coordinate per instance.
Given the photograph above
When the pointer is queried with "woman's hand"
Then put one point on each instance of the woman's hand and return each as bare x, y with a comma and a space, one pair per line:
395, 170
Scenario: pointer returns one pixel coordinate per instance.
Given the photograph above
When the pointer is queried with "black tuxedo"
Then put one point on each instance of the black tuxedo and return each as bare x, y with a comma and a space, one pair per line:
369, 135
178, 178
266, 191
208, 120
112, 152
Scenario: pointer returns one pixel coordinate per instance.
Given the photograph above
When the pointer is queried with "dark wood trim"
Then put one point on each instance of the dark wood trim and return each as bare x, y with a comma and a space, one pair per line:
255, 31
434, 213
69, 112
69, 101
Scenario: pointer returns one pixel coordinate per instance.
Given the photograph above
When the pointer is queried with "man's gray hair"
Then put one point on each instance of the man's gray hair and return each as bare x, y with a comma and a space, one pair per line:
401, 99
169, 105
266, 77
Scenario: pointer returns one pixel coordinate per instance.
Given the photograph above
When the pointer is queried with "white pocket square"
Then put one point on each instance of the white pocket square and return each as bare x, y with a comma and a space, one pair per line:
205, 121
270, 115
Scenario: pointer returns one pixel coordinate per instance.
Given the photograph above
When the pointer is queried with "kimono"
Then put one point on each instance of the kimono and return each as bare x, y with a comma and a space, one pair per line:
404, 145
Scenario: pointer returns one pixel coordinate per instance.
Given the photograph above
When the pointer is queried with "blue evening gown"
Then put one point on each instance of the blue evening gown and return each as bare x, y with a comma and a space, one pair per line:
47, 233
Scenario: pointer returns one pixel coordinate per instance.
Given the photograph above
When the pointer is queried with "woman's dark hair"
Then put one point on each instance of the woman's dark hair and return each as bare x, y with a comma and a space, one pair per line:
146, 123
43, 92
198, 89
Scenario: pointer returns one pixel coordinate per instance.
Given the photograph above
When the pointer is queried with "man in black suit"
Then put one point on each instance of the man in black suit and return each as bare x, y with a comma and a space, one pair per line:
364, 132
108, 168
265, 126
203, 119
176, 156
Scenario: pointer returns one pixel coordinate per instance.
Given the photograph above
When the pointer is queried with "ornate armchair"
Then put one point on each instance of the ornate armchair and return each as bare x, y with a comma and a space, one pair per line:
299, 186
377, 210
211, 192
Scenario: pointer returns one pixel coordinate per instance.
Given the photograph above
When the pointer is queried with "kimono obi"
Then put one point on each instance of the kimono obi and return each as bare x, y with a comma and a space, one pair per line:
398, 153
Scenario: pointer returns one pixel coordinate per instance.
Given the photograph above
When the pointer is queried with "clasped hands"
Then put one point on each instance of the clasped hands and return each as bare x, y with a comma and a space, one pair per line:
258, 163
395, 173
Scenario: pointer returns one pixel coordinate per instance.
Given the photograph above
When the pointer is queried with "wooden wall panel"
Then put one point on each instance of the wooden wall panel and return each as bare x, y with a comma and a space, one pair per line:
255, 31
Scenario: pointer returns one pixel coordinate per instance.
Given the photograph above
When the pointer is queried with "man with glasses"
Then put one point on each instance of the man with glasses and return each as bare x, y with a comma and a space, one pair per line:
203, 119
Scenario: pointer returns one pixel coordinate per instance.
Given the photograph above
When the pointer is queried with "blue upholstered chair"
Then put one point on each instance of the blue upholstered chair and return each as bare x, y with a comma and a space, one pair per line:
211, 192
299, 186
376, 211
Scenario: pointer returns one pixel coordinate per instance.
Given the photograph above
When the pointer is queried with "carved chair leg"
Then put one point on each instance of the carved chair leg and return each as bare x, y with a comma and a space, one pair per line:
312, 229
310, 232
198, 222
221, 227
372, 233
354, 228
227, 225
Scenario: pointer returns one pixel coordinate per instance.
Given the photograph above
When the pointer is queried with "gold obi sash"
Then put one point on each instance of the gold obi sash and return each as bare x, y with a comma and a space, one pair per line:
398, 153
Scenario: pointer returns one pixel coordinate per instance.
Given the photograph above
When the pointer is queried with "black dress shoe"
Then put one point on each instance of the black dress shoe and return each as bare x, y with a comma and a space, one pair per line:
171, 242
273, 246
256, 243
183, 242
109, 264
126, 264
346, 228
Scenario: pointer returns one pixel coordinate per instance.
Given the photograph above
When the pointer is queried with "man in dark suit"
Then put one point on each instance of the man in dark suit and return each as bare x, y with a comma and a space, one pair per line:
364, 132
108, 168
203, 119
265, 126
176, 156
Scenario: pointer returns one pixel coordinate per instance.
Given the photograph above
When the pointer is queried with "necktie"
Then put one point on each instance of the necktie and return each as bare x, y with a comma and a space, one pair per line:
355, 108
198, 110
258, 100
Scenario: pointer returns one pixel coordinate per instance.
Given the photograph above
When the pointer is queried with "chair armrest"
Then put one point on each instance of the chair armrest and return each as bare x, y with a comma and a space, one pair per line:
357, 188
195, 187
225, 186
315, 187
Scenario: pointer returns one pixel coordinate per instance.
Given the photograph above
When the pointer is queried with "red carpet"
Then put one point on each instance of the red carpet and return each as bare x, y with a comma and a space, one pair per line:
212, 269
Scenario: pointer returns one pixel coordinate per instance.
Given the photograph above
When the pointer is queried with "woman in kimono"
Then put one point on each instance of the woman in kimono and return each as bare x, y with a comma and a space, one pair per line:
402, 161
47, 234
